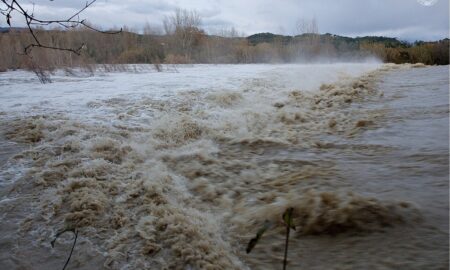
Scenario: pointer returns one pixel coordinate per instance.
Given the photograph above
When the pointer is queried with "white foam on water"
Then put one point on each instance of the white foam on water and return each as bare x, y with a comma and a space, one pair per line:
179, 169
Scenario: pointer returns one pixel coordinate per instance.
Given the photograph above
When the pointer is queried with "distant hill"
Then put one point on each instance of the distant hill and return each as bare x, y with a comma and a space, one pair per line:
334, 39
198, 47
307, 47
267, 38
12, 29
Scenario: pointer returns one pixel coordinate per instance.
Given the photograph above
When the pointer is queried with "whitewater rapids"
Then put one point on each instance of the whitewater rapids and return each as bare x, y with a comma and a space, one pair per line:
179, 169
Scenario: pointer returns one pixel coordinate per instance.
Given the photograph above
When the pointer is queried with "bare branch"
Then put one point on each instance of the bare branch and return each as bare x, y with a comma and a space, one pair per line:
31, 20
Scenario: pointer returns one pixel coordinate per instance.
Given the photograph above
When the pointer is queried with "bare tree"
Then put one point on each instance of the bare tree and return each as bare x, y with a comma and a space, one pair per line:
183, 27
7, 7
307, 26
307, 43
149, 29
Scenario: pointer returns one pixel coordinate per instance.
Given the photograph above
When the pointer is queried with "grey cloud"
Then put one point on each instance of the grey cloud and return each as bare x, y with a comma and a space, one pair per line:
217, 22
209, 13
150, 7
405, 19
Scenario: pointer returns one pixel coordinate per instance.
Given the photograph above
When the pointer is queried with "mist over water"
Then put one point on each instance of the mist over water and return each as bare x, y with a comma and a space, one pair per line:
180, 169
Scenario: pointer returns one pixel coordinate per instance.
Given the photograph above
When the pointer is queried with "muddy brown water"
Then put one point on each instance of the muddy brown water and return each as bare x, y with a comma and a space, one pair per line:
369, 191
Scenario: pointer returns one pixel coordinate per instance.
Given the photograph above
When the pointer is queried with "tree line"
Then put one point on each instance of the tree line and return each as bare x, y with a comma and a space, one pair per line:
183, 41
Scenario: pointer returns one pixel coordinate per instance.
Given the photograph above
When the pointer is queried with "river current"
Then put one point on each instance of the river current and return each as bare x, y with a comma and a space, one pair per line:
180, 172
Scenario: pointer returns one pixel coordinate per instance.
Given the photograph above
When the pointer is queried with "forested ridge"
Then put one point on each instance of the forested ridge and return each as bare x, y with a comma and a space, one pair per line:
190, 44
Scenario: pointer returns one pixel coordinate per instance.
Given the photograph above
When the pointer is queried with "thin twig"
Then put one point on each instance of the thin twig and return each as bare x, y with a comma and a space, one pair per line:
31, 21
287, 217
71, 251
75, 232
286, 245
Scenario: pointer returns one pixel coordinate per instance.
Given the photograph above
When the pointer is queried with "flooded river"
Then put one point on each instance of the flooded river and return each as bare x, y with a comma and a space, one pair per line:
179, 170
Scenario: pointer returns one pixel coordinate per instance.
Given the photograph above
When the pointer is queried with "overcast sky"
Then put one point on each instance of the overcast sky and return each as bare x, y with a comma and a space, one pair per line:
404, 19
